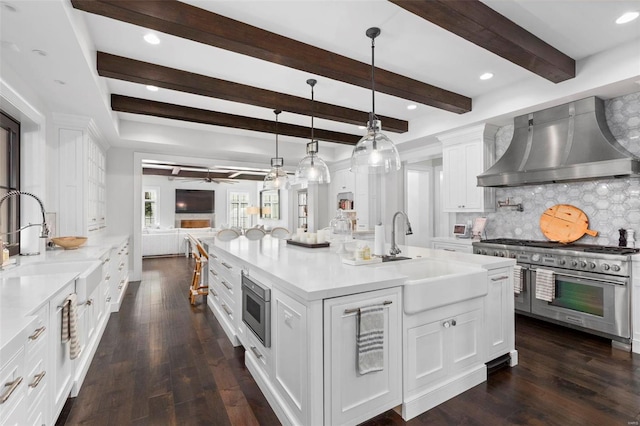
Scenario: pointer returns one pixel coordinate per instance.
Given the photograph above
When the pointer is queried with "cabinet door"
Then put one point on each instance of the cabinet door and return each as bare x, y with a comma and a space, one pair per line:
61, 367
425, 355
351, 398
473, 165
499, 308
465, 334
454, 177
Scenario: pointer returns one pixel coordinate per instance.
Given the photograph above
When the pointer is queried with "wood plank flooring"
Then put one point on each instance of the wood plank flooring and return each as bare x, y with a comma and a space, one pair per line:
163, 362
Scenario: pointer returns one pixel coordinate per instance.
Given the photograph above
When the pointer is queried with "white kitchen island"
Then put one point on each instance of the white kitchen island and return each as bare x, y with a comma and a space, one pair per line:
446, 315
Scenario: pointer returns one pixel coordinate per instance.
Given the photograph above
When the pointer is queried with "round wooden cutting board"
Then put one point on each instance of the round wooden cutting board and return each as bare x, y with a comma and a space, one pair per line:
565, 223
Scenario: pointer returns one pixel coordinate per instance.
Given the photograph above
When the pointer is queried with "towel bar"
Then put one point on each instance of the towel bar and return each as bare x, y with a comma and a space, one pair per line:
353, 311
86, 302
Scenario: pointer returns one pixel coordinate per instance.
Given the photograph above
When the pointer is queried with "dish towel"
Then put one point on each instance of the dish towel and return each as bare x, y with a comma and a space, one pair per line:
517, 279
70, 325
370, 339
545, 285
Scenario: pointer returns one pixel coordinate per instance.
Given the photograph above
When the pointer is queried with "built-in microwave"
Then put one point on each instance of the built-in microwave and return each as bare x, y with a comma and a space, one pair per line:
256, 309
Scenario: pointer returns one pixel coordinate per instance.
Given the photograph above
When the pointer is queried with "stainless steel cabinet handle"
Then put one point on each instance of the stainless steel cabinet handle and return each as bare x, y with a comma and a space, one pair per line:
108, 277
227, 285
37, 333
213, 255
36, 379
214, 293
255, 352
109, 299
446, 324
108, 259
227, 310
214, 273
226, 265
354, 310
504, 277
448, 249
453, 323
12, 387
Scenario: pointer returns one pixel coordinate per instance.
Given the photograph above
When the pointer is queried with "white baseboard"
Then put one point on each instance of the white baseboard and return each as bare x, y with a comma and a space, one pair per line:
435, 396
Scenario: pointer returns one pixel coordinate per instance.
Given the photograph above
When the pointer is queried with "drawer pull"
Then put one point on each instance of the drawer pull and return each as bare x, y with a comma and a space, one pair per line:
227, 285
37, 379
109, 299
107, 278
214, 273
108, 259
213, 255
448, 249
227, 310
37, 333
226, 265
12, 387
255, 352
504, 277
214, 293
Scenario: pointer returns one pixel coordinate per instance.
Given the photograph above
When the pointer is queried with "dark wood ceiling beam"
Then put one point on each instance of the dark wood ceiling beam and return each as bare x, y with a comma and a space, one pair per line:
178, 112
190, 22
478, 23
198, 175
127, 69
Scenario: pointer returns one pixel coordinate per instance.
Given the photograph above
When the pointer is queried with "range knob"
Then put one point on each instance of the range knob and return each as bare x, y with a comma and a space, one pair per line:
535, 258
616, 268
592, 265
561, 262
583, 264
512, 255
574, 263
495, 253
501, 254
605, 266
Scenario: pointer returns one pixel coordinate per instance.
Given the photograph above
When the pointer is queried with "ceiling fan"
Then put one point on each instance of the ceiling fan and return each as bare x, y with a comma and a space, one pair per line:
206, 179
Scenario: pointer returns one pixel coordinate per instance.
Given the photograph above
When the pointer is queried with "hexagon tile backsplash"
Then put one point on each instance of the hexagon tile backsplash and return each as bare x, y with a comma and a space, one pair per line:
610, 204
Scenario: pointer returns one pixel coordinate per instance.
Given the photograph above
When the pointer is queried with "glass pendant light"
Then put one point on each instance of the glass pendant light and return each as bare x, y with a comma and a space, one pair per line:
312, 168
375, 153
276, 178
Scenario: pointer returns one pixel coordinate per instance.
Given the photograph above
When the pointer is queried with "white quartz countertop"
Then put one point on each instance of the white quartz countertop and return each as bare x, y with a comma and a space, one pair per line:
314, 274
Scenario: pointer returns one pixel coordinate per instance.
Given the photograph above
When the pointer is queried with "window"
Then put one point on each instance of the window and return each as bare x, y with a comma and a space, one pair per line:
238, 203
150, 212
10, 181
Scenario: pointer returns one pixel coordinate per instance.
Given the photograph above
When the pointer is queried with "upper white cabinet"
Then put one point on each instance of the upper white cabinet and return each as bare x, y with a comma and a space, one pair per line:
466, 154
348, 186
82, 170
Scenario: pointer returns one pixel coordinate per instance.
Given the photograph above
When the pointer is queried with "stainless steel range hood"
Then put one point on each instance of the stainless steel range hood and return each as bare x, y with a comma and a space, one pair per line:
568, 142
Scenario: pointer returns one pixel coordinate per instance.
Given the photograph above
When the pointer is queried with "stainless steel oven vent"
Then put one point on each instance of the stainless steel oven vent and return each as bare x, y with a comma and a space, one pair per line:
569, 142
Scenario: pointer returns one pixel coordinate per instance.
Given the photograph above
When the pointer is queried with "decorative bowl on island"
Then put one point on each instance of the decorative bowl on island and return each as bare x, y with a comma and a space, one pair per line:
69, 243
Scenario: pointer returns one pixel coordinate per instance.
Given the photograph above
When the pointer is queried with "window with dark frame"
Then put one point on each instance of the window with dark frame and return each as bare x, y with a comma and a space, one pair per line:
9, 181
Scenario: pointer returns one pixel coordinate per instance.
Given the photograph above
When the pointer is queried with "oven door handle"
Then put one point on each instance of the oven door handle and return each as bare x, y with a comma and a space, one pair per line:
563, 274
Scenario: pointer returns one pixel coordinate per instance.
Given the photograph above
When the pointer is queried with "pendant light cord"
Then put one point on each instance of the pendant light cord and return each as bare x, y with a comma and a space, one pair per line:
276, 113
373, 84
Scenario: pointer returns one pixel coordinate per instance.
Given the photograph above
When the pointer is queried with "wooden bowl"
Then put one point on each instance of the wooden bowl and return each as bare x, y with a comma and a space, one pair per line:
69, 243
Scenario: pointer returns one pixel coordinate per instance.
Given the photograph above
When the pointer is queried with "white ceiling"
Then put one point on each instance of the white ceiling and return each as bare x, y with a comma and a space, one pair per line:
584, 30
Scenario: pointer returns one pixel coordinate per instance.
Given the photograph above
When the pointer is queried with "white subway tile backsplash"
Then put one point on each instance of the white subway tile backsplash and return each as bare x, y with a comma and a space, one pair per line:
609, 204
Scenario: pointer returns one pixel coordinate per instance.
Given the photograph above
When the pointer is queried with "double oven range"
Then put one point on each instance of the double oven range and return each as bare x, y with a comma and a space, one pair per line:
592, 283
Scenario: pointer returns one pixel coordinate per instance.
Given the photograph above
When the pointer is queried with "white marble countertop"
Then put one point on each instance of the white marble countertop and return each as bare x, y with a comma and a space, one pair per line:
313, 274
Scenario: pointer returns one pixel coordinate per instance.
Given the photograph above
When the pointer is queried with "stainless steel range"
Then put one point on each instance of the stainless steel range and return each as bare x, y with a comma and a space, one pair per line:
590, 284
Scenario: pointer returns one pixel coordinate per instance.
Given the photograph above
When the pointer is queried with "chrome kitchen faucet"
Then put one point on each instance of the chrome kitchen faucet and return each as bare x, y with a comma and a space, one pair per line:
44, 233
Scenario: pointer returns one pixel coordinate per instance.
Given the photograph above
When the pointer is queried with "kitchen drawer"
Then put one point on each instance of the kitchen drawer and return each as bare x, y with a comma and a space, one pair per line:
36, 343
261, 356
36, 381
12, 385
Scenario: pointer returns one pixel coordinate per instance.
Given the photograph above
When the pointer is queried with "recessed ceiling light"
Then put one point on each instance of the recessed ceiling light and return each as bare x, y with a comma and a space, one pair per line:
152, 38
152, 88
627, 17
39, 52
60, 82
486, 76
412, 106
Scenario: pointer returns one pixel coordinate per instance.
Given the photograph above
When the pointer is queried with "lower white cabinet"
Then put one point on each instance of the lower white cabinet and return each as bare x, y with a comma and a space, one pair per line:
351, 398
61, 365
119, 275
500, 317
451, 244
443, 354
225, 298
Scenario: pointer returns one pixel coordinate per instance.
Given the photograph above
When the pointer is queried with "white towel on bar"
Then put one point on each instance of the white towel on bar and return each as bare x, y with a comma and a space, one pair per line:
370, 339
545, 285
70, 325
517, 279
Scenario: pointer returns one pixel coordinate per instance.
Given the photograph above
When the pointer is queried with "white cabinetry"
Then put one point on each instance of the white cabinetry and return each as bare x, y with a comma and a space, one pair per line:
119, 274
12, 395
500, 317
351, 398
466, 154
444, 355
62, 365
82, 171
362, 200
452, 244
354, 187
225, 298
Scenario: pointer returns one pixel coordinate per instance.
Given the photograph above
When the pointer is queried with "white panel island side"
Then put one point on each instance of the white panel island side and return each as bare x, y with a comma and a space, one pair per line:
308, 373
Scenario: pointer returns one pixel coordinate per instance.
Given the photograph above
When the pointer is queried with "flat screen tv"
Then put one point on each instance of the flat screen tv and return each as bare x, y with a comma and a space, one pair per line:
194, 201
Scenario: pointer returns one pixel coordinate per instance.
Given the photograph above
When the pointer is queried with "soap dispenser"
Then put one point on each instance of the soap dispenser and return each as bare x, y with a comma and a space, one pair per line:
5, 251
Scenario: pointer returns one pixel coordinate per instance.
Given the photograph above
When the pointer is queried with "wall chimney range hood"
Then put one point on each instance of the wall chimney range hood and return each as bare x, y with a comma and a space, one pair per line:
569, 142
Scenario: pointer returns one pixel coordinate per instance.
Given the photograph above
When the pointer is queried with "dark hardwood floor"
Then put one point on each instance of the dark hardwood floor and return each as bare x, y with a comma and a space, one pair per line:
162, 361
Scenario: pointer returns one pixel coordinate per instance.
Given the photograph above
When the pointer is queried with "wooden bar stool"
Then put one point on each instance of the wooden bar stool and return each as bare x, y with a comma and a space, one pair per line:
201, 257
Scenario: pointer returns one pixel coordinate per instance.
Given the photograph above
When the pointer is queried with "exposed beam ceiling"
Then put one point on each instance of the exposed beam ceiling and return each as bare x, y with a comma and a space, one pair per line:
121, 68
196, 115
478, 23
200, 175
186, 21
